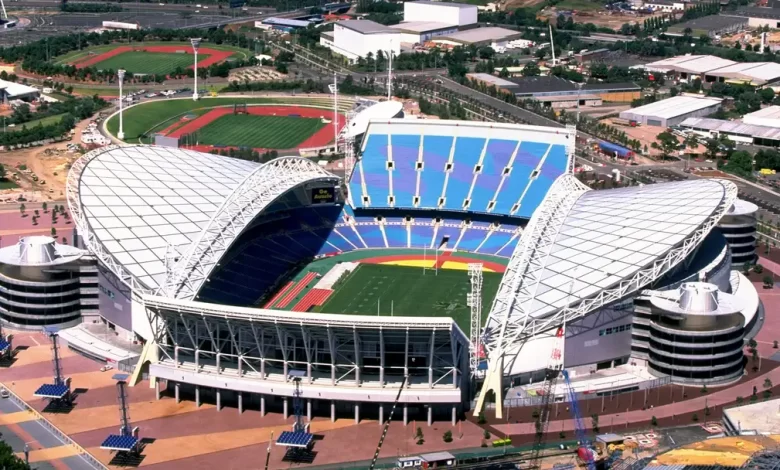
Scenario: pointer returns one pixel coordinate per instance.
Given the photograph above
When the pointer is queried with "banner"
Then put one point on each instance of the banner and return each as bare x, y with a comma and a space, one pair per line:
323, 195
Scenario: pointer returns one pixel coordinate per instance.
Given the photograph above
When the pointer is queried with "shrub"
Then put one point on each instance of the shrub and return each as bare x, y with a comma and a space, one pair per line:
562, 435
767, 394
704, 389
695, 417
481, 419
486, 434
740, 400
707, 411
767, 383
758, 269
654, 421
447, 437
769, 281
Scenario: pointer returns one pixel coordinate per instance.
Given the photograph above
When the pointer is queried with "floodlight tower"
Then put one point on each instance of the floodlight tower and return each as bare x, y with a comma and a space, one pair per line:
121, 74
195, 46
474, 300
5, 13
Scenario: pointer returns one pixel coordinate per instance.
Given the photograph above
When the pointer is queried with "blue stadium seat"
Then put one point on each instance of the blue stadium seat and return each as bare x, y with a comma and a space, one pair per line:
497, 156
464, 160
450, 230
396, 236
375, 171
495, 242
508, 249
338, 242
405, 151
436, 152
422, 235
348, 233
527, 159
471, 239
554, 166
372, 235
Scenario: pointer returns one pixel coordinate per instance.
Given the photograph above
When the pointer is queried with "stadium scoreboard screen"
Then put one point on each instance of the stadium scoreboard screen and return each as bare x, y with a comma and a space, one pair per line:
323, 195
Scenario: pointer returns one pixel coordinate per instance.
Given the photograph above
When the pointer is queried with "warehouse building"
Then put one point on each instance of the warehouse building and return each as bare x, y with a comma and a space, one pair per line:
356, 38
17, 91
751, 134
689, 67
552, 88
418, 32
490, 36
281, 24
672, 111
455, 14
760, 16
713, 25
752, 73
769, 117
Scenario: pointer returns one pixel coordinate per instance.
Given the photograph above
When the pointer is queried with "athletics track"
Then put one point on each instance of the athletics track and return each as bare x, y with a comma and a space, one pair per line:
320, 138
210, 56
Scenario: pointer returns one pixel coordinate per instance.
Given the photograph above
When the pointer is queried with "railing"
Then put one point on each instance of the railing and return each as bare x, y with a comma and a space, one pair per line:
86, 456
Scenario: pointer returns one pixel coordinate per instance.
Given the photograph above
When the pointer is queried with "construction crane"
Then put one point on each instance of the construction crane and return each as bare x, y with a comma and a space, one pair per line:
551, 373
387, 423
585, 449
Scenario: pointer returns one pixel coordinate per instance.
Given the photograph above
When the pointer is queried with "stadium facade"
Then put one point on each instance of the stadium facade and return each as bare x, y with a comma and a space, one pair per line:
192, 245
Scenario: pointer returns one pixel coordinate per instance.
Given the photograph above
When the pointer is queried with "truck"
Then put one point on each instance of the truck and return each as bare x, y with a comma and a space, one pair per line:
614, 150
625, 122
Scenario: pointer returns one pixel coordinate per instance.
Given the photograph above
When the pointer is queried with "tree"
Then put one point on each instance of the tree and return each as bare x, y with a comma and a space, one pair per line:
740, 400
531, 69
594, 420
486, 434
22, 208
447, 437
740, 163
504, 73
767, 383
758, 269
419, 437
53, 232
45, 206
769, 281
36, 212
9, 460
653, 421
667, 143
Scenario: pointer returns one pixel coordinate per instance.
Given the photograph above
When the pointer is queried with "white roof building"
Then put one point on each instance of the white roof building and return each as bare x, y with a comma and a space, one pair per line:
13, 90
357, 38
672, 111
455, 14
755, 73
769, 117
487, 36
692, 64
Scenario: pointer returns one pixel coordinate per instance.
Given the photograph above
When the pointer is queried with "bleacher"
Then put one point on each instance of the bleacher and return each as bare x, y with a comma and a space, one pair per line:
461, 166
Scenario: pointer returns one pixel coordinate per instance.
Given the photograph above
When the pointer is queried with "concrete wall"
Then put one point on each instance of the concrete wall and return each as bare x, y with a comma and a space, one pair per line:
114, 301
619, 96
359, 45
756, 22
587, 341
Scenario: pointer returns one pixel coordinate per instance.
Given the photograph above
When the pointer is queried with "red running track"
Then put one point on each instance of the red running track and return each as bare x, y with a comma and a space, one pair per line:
209, 56
278, 295
290, 296
312, 298
320, 138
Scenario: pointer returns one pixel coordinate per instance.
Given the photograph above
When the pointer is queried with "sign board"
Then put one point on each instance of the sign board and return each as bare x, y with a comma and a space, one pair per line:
323, 195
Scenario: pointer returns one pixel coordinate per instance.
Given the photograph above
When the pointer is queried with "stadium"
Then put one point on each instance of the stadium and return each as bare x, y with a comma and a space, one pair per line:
250, 284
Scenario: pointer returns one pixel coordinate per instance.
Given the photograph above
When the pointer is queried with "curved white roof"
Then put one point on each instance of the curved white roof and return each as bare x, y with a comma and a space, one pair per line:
742, 207
382, 110
136, 206
584, 249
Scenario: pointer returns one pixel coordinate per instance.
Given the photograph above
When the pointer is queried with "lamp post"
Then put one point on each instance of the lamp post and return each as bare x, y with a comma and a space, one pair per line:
195, 46
121, 74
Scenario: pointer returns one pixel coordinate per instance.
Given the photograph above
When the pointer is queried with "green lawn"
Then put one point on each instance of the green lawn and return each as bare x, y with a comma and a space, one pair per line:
412, 292
43, 121
157, 115
150, 63
269, 132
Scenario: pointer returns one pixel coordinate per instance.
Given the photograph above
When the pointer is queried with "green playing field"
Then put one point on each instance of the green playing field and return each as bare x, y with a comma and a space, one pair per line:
148, 62
410, 291
268, 132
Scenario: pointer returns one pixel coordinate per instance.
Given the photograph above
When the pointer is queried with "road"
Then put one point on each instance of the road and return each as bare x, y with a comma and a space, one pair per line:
145, 6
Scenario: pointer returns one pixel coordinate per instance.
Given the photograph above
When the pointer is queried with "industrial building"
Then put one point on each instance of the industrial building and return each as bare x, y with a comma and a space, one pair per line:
492, 36
713, 25
358, 38
666, 6
688, 67
423, 21
454, 14
282, 24
555, 89
769, 117
672, 111
760, 16
17, 91
752, 73
47, 284
768, 136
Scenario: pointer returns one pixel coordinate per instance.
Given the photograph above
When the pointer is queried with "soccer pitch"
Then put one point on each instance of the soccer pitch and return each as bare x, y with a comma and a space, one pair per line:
148, 62
411, 292
268, 132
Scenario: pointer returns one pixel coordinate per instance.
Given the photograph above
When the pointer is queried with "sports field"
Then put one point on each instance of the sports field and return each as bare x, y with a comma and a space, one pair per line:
148, 62
267, 132
411, 292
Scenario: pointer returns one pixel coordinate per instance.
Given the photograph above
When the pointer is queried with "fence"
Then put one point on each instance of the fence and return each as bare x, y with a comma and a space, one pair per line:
89, 458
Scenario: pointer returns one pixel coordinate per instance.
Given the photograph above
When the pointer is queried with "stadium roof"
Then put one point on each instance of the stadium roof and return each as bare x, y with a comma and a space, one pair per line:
585, 249
138, 206
675, 106
690, 64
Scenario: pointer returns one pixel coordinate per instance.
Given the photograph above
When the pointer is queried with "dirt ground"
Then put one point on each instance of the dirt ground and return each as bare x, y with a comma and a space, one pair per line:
647, 135
49, 162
